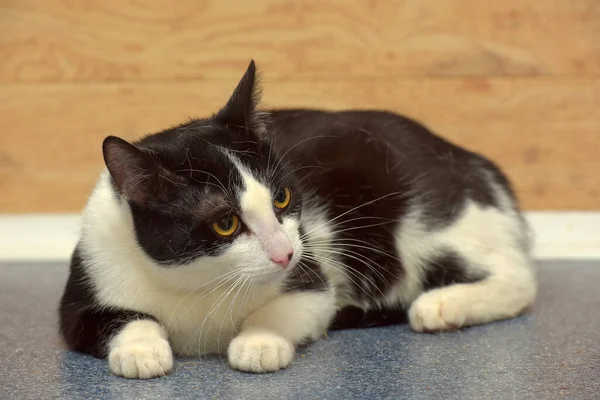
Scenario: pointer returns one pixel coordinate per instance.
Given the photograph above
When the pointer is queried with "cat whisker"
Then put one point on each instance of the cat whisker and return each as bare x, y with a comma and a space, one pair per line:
355, 256
196, 302
208, 183
275, 169
271, 146
341, 243
219, 279
358, 272
213, 312
230, 312
306, 236
244, 302
354, 228
191, 170
303, 269
343, 269
243, 141
202, 324
236, 291
296, 170
301, 264
346, 221
353, 209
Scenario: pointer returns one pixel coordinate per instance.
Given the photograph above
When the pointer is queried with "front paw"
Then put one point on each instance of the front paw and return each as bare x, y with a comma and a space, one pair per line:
141, 359
260, 352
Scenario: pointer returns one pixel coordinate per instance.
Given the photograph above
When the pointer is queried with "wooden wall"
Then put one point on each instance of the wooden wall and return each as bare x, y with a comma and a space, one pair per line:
518, 80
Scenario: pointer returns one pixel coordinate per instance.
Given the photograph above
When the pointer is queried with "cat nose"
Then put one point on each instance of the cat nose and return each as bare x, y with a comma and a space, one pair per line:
283, 260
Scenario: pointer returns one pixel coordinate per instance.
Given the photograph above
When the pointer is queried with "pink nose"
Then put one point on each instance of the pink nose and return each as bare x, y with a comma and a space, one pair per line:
283, 260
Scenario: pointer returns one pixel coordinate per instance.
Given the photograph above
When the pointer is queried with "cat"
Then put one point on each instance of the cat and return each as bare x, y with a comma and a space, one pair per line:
249, 232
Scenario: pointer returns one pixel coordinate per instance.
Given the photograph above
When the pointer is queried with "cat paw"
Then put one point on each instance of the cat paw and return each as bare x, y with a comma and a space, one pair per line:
260, 352
436, 311
141, 359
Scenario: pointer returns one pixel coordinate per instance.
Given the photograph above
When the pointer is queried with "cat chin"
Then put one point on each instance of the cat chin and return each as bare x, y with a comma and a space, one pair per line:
273, 277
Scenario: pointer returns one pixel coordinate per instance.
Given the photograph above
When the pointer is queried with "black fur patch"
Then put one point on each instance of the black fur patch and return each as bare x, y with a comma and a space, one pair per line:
306, 276
371, 164
351, 317
449, 268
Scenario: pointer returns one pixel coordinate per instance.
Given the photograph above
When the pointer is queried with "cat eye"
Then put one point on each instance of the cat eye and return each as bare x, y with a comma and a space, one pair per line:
227, 226
282, 198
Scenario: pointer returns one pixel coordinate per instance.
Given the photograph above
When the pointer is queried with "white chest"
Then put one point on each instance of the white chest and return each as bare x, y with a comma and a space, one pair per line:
198, 322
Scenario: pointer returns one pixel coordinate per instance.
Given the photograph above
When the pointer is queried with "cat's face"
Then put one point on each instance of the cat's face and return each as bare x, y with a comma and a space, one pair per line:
210, 196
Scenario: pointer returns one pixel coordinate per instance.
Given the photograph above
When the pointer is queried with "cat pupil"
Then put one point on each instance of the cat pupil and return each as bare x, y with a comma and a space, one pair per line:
281, 196
226, 223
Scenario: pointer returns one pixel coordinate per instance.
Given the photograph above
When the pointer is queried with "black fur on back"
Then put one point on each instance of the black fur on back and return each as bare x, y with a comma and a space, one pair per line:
368, 167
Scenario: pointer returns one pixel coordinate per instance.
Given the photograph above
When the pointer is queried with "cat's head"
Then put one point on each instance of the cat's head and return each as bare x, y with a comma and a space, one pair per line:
211, 195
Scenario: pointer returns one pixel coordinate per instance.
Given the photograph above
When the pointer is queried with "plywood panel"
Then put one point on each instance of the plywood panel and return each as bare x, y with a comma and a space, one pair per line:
544, 132
65, 40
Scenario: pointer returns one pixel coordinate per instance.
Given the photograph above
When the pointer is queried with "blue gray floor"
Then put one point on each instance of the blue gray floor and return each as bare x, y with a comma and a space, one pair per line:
552, 352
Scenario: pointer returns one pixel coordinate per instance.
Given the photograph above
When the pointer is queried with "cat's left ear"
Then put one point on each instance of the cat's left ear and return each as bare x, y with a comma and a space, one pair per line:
242, 107
135, 173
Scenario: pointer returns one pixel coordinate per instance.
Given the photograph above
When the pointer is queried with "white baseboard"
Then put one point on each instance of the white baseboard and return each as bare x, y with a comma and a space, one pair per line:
565, 235
38, 236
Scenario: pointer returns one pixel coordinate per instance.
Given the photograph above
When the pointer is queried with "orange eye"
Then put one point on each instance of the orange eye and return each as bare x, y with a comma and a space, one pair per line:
282, 198
227, 226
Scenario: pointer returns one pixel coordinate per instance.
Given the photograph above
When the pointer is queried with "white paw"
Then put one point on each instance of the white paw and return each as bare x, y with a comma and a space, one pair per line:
141, 359
437, 310
260, 352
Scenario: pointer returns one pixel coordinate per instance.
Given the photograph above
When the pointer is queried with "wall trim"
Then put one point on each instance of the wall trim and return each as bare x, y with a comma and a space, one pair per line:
559, 235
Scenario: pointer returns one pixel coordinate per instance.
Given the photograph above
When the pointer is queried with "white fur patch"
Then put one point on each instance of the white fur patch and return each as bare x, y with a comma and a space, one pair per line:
268, 335
490, 241
260, 352
438, 310
256, 203
297, 316
255, 200
140, 351
414, 249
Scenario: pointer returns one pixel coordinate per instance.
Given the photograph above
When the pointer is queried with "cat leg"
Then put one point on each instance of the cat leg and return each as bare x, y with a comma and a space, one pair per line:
136, 345
505, 292
140, 350
269, 335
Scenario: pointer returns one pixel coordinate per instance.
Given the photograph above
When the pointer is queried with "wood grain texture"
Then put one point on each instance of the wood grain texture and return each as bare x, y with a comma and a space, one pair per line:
336, 40
544, 132
518, 80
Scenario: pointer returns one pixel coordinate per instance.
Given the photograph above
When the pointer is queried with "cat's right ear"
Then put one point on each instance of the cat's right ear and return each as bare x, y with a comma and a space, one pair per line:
242, 107
133, 171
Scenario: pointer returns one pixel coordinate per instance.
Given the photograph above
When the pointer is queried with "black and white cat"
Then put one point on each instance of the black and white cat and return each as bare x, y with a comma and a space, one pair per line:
250, 232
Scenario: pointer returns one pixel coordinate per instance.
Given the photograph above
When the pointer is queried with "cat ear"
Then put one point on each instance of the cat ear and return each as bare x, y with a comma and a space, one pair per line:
135, 173
242, 107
